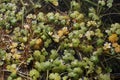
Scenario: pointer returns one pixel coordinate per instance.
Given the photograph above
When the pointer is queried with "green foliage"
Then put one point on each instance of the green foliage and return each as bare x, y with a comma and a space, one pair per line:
2, 56
57, 39
34, 74
54, 76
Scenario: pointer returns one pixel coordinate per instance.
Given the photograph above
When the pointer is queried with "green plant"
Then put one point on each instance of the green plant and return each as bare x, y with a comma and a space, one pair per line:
39, 40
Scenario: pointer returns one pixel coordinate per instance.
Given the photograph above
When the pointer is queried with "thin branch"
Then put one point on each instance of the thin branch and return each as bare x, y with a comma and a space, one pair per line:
57, 9
20, 65
47, 74
110, 58
91, 2
24, 75
66, 4
39, 1
31, 2
109, 14
22, 2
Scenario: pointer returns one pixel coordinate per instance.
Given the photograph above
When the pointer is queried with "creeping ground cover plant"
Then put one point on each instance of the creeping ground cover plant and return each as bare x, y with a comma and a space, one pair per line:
59, 40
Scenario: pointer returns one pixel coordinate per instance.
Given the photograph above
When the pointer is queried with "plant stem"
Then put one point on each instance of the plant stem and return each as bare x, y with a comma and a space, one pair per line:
31, 2
22, 2
23, 9
93, 3
109, 14
47, 74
